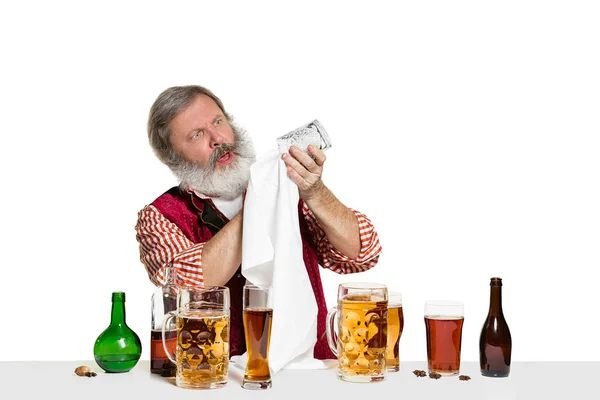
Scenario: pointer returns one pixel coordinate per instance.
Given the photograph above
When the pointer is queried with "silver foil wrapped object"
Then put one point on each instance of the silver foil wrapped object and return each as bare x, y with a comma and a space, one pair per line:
311, 133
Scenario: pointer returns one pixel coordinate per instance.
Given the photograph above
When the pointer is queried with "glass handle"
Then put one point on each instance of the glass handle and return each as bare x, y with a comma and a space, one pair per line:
166, 322
331, 330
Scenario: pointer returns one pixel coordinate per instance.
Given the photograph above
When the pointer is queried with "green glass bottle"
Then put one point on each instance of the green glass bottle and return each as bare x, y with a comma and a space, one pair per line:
118, 348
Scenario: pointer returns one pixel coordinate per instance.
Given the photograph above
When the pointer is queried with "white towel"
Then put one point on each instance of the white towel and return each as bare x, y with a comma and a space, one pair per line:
272, 255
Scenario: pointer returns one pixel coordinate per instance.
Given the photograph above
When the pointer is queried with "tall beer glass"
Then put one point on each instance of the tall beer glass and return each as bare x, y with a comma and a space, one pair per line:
258, 316
394, 330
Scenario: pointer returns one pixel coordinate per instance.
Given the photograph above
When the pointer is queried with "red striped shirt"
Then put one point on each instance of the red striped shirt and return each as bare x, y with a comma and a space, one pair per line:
162, 243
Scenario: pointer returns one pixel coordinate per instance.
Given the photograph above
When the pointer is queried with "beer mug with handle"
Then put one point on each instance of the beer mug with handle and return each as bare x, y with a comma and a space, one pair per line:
202, 355
357, 331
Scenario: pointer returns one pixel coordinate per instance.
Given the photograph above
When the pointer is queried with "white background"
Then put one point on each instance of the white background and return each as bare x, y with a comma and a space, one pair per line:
468, 131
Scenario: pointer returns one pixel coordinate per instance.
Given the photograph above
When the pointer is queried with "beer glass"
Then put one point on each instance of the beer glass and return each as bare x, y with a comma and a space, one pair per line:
358, 336
394, 331
202, 355
443, 325
258, 316
312, 133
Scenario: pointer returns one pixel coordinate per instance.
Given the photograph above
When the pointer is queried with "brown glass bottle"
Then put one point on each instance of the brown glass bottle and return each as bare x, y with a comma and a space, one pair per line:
164, 300
495, 343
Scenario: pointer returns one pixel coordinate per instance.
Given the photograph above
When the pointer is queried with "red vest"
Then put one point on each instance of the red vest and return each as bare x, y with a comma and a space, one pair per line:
199, 220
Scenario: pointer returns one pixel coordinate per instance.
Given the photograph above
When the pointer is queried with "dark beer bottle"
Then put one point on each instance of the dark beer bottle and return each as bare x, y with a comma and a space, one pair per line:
495, 344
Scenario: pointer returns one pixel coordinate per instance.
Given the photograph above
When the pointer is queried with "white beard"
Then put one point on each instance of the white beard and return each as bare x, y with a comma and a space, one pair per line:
225, 182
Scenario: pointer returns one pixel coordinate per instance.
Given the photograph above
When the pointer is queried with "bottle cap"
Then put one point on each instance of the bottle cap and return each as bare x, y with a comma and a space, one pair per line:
496, 281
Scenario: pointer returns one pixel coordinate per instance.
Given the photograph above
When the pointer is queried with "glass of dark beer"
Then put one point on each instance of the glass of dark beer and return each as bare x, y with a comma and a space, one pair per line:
443, 325
258, 316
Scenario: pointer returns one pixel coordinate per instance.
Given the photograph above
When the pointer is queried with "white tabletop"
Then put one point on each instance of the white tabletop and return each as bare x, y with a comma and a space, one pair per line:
528, 380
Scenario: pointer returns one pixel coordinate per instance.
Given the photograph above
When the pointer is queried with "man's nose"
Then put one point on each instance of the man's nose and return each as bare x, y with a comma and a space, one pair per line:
216, 139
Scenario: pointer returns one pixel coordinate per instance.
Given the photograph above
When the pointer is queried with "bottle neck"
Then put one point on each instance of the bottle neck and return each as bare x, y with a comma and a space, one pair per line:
495, 300
117, 315
169, 276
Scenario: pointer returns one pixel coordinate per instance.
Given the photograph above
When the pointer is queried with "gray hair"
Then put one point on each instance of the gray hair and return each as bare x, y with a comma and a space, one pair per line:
166, 107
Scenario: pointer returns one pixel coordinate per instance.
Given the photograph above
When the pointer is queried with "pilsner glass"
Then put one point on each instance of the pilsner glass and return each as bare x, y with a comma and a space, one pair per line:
394, 331
258, 317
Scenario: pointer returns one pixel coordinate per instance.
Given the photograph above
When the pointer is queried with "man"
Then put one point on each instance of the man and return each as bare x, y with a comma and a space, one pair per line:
197, 227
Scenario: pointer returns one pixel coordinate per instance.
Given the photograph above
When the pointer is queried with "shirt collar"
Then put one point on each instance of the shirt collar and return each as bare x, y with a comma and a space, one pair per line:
197, 193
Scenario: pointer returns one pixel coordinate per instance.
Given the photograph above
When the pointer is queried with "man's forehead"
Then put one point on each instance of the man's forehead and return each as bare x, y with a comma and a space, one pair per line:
200, 111
204, 104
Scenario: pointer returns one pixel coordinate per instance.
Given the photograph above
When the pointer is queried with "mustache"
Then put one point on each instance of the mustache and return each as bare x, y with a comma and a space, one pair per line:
220, 152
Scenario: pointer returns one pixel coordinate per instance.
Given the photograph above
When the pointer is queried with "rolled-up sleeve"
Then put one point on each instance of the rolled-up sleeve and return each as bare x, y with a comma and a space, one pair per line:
162, 243
331, 258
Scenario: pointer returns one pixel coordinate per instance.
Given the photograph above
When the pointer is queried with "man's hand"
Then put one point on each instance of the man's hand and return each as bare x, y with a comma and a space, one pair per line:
305, 170
338, 222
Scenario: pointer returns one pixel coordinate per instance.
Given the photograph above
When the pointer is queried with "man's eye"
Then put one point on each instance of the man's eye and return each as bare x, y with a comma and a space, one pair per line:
197, 134
218, 122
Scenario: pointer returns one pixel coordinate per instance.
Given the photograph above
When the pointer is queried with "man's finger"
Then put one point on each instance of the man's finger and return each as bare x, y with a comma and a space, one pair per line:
317, 154
296, 178
305, 159
296, 166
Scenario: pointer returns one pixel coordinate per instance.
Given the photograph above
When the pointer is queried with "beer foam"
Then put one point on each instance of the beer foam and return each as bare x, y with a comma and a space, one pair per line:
258, 309
199, 314
359, 297
444, 317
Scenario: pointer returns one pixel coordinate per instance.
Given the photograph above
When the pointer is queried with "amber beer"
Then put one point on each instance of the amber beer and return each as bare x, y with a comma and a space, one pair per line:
357, 331
202, 349
258, 318
362, 336
202, 320
394, 332
257, 328
443, 343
